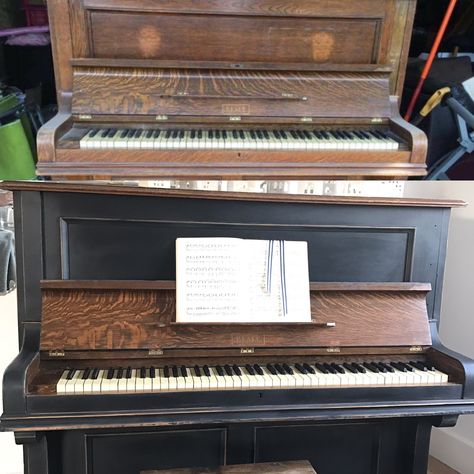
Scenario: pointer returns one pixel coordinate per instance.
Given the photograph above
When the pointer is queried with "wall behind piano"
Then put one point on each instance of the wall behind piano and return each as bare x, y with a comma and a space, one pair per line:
455, 446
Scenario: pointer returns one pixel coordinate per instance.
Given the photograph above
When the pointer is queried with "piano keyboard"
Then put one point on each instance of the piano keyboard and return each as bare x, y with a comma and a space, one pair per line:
250, 376
238, 139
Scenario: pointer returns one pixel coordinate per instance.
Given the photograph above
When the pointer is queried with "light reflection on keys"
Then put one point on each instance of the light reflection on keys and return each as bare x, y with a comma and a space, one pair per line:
172, 139
250, 376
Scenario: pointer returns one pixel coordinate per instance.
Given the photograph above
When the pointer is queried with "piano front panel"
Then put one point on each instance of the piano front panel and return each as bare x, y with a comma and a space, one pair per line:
118, 90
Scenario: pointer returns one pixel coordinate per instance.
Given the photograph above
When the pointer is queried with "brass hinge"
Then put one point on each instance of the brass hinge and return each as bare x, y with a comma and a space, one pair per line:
247, 350
235, 118
56, 353
416, 349
155, 352
376, 120
85, 117
161, 118
333, 349
306, 119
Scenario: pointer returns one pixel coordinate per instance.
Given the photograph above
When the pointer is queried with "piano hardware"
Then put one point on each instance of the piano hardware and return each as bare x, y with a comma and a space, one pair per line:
296, 97
104, 367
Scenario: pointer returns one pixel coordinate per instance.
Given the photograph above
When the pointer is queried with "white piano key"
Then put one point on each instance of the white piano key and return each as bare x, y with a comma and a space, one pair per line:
61, 384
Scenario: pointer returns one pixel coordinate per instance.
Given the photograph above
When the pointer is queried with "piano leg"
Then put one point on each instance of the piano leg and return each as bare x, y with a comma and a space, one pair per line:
35, 451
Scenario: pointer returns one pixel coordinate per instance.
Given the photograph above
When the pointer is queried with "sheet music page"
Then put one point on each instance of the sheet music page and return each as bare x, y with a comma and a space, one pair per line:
241, 280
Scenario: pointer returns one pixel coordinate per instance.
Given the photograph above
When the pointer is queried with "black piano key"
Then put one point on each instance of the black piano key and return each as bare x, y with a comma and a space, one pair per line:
252, 134
283, 135
206, 371
280, 369
287, 369
197, 370
387, 367
236, 370
166, 371
250, 369
128, 373
242, 134
318, 134
193, 134
119, 373
152, 372
358, 134
95, 374
258, 369
184, 371
371, 367
105, 132
217, 134
300, 369
228, 370
124, 133
70, 374
142, 372
380, 367
429, 366
359, 368
272, 369
139, 134
86, 373
235, 135
330, 369
419, 366
110, 374
210, 134
174, 371
399, 367
350, 368
308, 368
365, 134
111, 133
168, 134
156, 133
407, 366
174, 134
224, 134
220, 370
307, 134
149, 133
294, 134
93, 132
259, 134
181, 134
266, 134
276, 134
338, 368
325, 135
300, 134
199, 134
321, 368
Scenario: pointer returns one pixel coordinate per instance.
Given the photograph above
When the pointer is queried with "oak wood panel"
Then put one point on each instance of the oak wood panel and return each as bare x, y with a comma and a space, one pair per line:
227, 93
49, 133
282, 39
330, 8
74, 319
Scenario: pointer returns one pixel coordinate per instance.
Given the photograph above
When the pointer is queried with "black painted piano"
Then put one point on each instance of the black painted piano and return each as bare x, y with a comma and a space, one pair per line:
107, 381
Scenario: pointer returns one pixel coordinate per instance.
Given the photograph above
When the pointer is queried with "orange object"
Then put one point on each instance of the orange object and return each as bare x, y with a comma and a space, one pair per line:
431, 58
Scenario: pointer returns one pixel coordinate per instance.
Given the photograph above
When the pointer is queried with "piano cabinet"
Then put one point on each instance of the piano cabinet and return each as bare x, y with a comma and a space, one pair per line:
376, 267
230, 67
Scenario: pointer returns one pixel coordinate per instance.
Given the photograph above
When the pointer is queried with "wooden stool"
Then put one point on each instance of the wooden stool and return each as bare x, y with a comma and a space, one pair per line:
290, 467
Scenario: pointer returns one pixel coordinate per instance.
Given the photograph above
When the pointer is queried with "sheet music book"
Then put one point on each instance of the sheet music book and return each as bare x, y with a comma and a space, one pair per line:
241, 280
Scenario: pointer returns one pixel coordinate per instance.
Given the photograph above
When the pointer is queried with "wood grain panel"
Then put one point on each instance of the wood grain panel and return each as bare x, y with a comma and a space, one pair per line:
85, 319
229, 38
229, 93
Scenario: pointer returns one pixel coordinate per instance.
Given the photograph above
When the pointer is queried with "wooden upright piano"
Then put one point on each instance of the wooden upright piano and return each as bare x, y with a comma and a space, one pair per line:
230, 88
106, 381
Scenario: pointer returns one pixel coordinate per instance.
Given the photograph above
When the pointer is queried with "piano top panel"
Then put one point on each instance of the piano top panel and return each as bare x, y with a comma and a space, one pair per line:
288, 31
122, 316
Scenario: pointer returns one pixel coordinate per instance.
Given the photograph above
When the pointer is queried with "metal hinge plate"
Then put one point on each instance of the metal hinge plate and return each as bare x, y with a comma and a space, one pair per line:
161, 118
85, 117
416, 349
